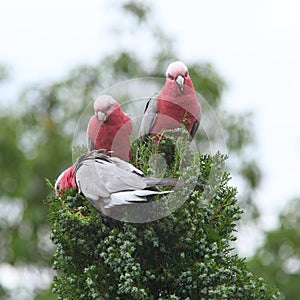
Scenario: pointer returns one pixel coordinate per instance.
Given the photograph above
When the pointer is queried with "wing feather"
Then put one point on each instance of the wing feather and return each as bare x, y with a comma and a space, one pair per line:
150, 115
100, 178
130, 197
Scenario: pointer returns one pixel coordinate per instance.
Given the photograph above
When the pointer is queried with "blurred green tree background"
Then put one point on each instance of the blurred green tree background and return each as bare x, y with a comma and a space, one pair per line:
36, 138
278, 259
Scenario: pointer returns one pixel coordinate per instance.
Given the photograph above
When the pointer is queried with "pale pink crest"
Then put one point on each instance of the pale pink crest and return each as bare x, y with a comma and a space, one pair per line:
176, 68
104, 103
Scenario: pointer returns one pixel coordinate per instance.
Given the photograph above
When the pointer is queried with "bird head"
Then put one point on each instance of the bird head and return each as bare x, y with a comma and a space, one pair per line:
104, 105
65, 180
177, 74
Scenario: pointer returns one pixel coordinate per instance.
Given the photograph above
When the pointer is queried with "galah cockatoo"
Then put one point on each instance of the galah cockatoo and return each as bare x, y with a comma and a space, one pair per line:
109, 128
174, 106
109, 182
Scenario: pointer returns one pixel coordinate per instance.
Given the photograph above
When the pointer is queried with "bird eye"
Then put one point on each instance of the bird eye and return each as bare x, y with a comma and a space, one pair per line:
186, 74
170, 76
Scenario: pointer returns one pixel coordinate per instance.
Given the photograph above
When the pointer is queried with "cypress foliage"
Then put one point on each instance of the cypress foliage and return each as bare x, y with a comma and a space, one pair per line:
185, 255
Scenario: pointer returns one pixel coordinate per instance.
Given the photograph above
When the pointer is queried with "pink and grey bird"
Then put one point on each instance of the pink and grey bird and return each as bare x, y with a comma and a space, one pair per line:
176, 104
109, 128
109, 182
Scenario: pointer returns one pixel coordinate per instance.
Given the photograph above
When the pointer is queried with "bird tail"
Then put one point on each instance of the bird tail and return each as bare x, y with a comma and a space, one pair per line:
152, 181
130, 197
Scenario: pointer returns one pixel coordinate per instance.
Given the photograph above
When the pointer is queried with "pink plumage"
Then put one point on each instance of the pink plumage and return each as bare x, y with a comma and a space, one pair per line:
176, 104
109, 128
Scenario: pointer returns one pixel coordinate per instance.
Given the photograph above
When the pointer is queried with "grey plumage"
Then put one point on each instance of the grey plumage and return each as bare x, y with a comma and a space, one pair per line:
150, 115
110, 182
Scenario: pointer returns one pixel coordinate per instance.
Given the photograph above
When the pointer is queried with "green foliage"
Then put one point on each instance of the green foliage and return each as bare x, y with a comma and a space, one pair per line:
139, 9
4, 72
186, 255
278, 259
207, 82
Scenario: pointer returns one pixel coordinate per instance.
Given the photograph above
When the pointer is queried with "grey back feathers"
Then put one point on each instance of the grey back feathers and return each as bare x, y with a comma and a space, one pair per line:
109, 181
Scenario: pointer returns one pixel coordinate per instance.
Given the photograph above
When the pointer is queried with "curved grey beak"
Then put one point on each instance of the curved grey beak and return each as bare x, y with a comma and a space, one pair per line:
180, 82
101, 116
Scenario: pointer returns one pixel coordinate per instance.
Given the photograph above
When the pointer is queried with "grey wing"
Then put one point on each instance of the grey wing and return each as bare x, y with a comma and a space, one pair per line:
99, 179
149, 117
195, 128
90, 144
126, 166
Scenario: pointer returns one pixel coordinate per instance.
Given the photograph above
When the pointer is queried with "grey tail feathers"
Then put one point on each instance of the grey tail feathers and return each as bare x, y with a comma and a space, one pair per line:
152, 181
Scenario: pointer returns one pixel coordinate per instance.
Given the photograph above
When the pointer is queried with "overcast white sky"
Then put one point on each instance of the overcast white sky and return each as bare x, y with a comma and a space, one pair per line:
255, 46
